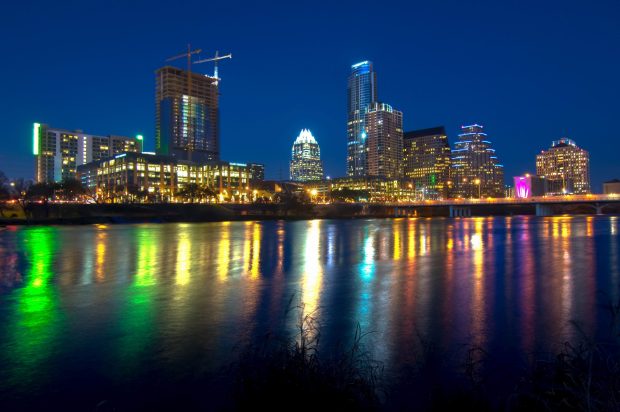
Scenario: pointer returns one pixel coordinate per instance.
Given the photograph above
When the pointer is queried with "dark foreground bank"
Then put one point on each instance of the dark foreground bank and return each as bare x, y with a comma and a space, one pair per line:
298, 373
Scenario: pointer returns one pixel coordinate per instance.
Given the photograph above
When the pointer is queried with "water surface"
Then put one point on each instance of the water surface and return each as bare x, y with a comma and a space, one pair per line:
88, 311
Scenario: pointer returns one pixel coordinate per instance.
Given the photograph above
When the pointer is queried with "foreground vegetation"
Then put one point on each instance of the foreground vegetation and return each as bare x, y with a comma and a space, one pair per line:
299, 373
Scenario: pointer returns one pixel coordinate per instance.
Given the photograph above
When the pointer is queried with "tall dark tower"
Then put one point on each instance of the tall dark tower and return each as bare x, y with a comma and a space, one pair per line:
187, 115
362, 91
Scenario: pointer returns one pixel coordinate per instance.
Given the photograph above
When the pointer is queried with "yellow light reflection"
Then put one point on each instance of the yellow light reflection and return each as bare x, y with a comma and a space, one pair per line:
312, 270
184, 254
100, 256
397, 244
255, 259
223, 252
411, 239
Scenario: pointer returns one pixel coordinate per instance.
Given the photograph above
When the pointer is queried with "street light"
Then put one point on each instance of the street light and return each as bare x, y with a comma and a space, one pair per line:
477, 181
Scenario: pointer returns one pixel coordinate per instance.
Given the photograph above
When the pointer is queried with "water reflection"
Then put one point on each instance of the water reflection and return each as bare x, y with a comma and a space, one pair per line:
166, 295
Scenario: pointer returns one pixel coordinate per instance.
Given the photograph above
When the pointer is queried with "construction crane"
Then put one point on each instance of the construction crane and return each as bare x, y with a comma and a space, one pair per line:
215, 59
191, 137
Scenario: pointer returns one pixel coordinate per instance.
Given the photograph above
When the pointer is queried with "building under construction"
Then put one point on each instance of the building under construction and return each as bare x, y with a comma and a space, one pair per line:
187, 115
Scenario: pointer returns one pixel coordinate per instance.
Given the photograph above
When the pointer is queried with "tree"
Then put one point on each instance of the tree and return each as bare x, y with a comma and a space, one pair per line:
349, 195
41, 191
71, 189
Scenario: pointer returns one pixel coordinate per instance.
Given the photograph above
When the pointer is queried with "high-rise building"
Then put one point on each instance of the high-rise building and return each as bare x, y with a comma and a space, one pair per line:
257, 172
426, 161
362, 91
306, 158
475, 170
384, 141
59, 152
565, 161
187, 115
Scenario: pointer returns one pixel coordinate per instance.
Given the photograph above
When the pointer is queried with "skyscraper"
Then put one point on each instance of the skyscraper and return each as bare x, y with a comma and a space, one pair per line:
362, 91
187, 115
59, 152
426, 161
384, 141
562, 162
306, 158
476, 171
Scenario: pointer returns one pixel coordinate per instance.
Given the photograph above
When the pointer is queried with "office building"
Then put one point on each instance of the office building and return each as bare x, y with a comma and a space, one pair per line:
144, 177
426, 162
475, 170
384, 129
58, 152
361, 92
187, 115
363, 189
611, 187
306, 158
565, 162
257, 172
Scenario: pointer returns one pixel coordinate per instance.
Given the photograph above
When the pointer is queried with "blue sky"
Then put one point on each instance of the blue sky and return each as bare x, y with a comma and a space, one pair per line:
530, 71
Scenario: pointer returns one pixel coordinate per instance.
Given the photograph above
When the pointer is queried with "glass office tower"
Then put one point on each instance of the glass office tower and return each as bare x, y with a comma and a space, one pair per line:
362, 91
426, 161
476, 171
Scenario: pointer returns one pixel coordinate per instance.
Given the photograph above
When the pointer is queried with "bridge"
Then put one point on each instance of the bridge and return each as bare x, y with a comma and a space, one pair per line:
542, 206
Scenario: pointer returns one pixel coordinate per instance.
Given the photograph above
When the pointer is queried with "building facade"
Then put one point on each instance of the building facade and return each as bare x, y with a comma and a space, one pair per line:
475, 170
187, 115
426, 162
564, 161
59, 152
257, 172
364, 189
361, 92
611, 187
306, 162
384, 141
528, 186
141, 177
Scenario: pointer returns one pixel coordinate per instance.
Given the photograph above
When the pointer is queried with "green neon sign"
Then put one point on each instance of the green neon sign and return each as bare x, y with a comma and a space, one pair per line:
35, 139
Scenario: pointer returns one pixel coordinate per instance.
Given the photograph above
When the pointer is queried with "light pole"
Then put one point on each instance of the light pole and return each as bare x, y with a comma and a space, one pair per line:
477, 181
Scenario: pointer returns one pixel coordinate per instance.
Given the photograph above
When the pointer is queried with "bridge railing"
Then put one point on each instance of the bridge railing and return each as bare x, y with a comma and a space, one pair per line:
514, 201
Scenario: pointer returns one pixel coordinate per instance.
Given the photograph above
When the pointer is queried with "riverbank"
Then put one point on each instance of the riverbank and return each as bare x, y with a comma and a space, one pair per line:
76, 214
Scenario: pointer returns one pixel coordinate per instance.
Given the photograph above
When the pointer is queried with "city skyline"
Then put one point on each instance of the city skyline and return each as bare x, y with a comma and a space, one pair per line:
583, 112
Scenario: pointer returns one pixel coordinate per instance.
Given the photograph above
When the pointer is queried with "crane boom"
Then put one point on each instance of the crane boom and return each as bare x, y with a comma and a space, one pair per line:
214, 59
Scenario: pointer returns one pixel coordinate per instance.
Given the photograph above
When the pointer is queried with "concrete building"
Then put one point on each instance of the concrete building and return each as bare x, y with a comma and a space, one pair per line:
426, 161
58, 152
361, 92
384, 130
564, 161
306, 162
612, 187
475, 170
187, 115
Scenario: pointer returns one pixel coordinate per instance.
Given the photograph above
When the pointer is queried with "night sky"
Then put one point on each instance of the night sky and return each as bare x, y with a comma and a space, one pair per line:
530, 71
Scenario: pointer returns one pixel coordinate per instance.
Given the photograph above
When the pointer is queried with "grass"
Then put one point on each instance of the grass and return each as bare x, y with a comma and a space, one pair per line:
296, 372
